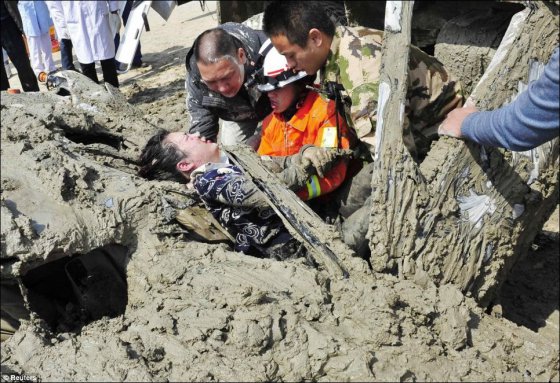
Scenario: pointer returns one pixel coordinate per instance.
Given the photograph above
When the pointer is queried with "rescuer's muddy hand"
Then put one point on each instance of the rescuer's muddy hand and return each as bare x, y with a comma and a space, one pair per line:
322, 158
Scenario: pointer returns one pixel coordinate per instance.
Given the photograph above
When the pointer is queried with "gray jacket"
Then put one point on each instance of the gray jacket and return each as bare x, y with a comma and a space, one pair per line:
205, 107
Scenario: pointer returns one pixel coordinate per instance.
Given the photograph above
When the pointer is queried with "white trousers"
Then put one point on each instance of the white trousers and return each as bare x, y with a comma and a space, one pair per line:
40, 53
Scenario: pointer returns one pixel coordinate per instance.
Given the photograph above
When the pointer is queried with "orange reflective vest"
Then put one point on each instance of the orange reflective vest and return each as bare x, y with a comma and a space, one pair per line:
314, 123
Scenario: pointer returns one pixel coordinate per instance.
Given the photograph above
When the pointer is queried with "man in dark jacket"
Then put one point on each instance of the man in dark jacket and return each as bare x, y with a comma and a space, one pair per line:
219, 63
12, 42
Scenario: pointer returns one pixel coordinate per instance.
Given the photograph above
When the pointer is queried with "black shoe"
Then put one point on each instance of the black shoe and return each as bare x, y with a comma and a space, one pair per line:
141, 65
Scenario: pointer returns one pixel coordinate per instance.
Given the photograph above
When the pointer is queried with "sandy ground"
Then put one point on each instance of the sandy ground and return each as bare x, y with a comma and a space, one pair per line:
274, 312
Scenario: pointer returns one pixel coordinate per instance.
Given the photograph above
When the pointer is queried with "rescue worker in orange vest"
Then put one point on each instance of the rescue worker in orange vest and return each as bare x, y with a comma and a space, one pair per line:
302, 122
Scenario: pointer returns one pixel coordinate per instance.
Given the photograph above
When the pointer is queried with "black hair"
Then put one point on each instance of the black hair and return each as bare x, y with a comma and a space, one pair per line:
213, 45
294, 19
158, 161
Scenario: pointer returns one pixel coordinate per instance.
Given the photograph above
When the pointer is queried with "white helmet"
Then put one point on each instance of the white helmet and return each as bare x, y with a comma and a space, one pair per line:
276, 73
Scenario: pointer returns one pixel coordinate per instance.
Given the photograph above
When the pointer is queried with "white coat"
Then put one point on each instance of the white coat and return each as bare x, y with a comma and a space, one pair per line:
57, 16
35, 18
88, 25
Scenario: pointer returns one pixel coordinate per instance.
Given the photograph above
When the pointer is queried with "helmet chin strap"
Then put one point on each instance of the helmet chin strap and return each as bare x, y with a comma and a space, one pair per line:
295, 105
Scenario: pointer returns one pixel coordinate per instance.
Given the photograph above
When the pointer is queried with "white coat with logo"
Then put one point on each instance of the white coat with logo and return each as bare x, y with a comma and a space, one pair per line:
88, 24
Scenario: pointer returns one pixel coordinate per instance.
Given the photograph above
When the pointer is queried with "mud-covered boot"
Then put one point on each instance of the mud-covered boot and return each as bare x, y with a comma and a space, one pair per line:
354, 192
355, 228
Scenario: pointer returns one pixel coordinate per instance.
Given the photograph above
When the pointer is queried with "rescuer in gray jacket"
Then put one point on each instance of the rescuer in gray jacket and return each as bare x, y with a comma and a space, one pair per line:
219, 63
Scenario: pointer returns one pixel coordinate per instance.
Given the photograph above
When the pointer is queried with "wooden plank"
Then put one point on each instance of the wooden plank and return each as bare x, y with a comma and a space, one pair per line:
466, 213
394, 72
396, 182
302, 222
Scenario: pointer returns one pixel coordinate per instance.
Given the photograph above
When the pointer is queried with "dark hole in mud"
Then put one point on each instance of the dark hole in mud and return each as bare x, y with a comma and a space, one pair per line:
530, 295
73, 291
106, 139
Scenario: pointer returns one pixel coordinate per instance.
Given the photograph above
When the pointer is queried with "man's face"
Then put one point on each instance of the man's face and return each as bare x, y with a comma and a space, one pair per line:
199, 150
225, 76
281, 99
309, 59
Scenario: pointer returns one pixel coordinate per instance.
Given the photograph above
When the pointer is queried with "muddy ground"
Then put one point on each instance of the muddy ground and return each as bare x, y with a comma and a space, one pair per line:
199, 312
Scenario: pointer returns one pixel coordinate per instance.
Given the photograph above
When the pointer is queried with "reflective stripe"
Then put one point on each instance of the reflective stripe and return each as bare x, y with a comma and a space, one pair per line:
313, 187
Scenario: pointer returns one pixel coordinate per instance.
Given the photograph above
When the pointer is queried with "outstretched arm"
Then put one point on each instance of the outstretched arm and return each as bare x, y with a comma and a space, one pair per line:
300, 174
202, 120
527, 122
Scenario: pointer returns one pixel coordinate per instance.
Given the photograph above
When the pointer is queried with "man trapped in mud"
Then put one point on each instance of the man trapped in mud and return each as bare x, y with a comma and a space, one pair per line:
231, 198
218, 64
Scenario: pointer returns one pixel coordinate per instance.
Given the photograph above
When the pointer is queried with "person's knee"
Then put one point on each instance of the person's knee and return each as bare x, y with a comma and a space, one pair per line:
354, 230
356, 191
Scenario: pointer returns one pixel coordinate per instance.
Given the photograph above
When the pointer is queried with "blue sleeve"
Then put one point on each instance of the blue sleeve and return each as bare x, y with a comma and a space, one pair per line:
529, 121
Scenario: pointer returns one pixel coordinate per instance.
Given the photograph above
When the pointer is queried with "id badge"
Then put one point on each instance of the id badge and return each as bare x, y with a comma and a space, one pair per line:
329, 138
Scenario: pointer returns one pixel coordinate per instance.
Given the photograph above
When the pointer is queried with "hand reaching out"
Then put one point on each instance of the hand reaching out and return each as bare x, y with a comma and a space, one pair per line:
322, 159
451, 126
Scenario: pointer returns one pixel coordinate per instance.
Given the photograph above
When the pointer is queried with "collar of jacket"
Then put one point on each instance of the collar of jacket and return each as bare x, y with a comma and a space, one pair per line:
223, 166
296, 105
330, 71
299, 120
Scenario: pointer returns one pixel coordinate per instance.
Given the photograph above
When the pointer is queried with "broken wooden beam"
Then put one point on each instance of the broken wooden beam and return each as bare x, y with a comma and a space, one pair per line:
321, 240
